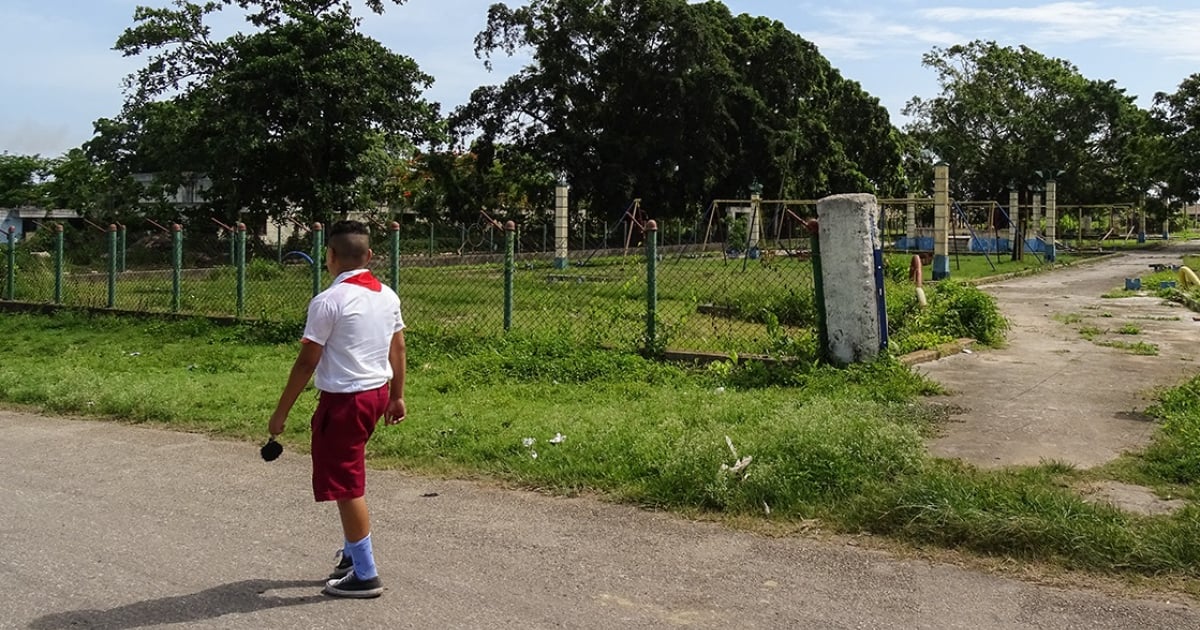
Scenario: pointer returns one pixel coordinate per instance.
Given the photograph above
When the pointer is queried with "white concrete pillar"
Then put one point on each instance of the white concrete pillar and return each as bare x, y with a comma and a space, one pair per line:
941, 222
1014, 216
854, 316
910, 222
754, 222
1035, 216
561, 233
1051, 219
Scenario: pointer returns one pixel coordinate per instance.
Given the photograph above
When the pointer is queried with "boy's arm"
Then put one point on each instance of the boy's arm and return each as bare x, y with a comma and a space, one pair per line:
396, 409
302, 371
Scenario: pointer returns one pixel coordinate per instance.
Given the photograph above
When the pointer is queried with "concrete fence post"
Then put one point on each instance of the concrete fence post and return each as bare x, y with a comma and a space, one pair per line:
1051, 219
851, 270
58, 263
1014, 217
941, 222
910, 222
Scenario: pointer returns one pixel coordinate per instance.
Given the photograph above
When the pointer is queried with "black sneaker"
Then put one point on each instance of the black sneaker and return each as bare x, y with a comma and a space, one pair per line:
344, 566
352, 586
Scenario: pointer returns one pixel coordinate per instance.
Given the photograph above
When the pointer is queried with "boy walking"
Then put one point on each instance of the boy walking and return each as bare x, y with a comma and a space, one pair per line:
354, 342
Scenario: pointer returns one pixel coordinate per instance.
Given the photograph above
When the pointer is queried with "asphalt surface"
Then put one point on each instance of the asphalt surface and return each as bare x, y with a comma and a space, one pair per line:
112, 526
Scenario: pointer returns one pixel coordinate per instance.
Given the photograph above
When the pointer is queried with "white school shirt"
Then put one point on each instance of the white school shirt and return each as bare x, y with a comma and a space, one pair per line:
354, 320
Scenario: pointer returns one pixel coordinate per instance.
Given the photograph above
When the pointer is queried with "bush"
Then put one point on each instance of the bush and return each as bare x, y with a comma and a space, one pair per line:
955, 310
263, 269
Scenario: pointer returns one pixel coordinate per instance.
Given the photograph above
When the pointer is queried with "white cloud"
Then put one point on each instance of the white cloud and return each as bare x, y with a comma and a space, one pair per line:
1173, 33
865, 35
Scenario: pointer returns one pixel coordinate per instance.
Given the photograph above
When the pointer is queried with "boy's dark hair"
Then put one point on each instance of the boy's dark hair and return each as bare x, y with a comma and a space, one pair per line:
350, 240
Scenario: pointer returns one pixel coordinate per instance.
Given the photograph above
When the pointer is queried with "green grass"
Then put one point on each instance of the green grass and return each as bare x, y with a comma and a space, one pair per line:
704, 302
1140, 348
842, 446
1129, 329
975, 266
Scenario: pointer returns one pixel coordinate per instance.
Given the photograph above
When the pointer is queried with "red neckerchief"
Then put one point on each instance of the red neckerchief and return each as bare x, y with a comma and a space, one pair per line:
365, 279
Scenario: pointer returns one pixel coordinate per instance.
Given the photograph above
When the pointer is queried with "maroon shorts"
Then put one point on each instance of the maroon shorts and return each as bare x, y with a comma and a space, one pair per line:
341, 426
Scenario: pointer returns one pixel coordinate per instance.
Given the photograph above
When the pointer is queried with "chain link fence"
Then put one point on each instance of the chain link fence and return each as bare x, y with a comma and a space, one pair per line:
723, 283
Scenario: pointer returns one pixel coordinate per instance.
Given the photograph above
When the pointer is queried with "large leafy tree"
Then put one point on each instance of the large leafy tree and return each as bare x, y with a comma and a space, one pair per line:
675, 103
22, 179
1004, 114
1177, 115
304, 113
457, 185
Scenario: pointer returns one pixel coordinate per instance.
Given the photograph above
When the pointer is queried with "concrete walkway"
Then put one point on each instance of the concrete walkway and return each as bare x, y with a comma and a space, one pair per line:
108, 526
1050, 393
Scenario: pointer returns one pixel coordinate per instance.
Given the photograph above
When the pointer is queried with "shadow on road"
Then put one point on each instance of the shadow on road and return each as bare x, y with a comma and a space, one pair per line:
247, 596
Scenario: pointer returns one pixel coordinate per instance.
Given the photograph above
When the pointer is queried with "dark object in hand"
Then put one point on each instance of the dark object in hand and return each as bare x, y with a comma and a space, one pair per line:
271, 450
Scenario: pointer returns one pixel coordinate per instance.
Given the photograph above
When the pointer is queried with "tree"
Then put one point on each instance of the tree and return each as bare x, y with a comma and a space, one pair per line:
1177, 116
22, 179
673, 103
1005, 113
304, 114
456, 185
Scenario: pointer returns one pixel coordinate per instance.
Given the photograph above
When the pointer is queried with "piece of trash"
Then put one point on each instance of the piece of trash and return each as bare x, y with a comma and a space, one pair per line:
528, 442
766, 508
135, 354
739, 465
192, 366
429, 495
533, 454
967, 351
720, 390
91, 403
558, 438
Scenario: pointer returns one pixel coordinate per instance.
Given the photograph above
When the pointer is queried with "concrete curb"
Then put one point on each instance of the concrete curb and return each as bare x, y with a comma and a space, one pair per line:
1044, 269
947, 349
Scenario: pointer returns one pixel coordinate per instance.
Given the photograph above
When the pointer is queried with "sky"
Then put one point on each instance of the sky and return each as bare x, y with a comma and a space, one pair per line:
58, 72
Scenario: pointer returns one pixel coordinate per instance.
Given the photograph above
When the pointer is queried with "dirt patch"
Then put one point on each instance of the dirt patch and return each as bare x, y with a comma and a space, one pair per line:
1131, 498
1069, 386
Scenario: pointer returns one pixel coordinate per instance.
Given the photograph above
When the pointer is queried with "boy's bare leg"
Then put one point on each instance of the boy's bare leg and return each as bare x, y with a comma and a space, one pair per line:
356, 523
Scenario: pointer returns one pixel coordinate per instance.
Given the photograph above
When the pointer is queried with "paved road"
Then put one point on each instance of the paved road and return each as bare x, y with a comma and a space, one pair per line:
1051, 394
110, 526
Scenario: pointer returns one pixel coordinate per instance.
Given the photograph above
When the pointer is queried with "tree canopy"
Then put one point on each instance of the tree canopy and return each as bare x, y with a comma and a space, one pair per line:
1004, 114
670, 101
675, 103
298, 114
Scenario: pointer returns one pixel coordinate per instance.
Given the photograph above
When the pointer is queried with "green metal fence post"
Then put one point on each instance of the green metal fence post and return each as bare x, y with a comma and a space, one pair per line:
395, 256
318, 256
510, 230
241, 269
121, 254
232, 247
112, 265
58, 263
176, 266
819, 290
431, 239
651, 287
10, 279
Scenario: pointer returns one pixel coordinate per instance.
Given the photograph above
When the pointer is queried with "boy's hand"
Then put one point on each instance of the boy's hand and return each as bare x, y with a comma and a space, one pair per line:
396, 411
275, 426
